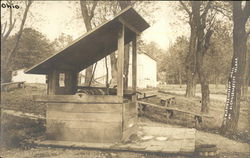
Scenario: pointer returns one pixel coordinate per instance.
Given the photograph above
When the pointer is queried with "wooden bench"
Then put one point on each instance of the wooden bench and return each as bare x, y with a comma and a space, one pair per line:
145, 96
11, 85
166, 101
198, 117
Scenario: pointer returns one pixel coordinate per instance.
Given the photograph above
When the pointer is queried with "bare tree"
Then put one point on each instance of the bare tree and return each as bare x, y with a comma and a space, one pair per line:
198, 46
235, 81
203, 39
190, 59
5, 34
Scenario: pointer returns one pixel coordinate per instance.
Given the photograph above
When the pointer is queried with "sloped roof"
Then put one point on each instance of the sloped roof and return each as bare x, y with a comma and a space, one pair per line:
92, 46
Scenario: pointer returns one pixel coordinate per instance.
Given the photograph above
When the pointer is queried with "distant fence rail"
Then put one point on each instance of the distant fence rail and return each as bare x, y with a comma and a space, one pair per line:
12, 85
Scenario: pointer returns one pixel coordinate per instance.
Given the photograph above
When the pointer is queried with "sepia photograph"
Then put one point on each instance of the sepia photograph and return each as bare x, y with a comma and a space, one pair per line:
125, 79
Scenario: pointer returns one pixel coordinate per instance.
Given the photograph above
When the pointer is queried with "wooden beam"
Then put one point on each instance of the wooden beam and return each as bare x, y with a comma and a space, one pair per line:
134, 64
129, 26
120, 60
88, 99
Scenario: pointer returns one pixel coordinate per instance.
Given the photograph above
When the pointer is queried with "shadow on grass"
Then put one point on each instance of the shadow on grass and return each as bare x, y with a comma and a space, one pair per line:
20, 132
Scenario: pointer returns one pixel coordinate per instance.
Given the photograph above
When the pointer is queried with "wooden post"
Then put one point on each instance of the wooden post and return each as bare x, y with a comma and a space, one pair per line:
134, 64
51, 85
134, 69
120, 61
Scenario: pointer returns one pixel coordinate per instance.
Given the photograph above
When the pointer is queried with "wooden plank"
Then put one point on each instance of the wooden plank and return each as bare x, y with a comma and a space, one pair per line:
174, 109
54, 123
10, 83
52, 78
85, 108
89, 117
78, 99
104, 134
146, 97
129, 26
134, 64
120, 61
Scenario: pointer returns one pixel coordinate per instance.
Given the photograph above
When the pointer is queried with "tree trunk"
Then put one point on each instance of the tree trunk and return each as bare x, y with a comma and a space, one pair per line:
204, 84
201, 48
190, 65
113, 62
246, 76
180, 80
87, 14
5, 74
216, 82
232, 108
191, 85
88, 74
126, 65
89, 70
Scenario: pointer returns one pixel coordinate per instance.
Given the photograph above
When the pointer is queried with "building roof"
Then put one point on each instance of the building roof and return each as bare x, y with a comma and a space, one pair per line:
149, 55
94, 45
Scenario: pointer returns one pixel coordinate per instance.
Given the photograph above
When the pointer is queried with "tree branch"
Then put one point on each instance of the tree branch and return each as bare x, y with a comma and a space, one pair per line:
246, 11
207, 40
4, 29
85, 15
208, 6
186, 9
11, 23
12, 53
222, 11
93, 9
204, 14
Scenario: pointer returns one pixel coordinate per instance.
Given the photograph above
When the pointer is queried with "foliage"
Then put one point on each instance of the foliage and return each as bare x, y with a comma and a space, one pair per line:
174, 62
33, 48
216, 61
7, 27
62, 41
218, 58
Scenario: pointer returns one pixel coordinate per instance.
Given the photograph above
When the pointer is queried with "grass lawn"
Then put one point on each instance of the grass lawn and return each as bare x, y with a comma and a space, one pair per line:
216, 110
20, 131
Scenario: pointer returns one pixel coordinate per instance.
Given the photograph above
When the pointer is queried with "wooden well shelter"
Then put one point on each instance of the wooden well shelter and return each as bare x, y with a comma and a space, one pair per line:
102, 118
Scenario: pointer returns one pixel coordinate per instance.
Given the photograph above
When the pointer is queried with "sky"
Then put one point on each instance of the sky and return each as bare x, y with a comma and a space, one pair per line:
55, 17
